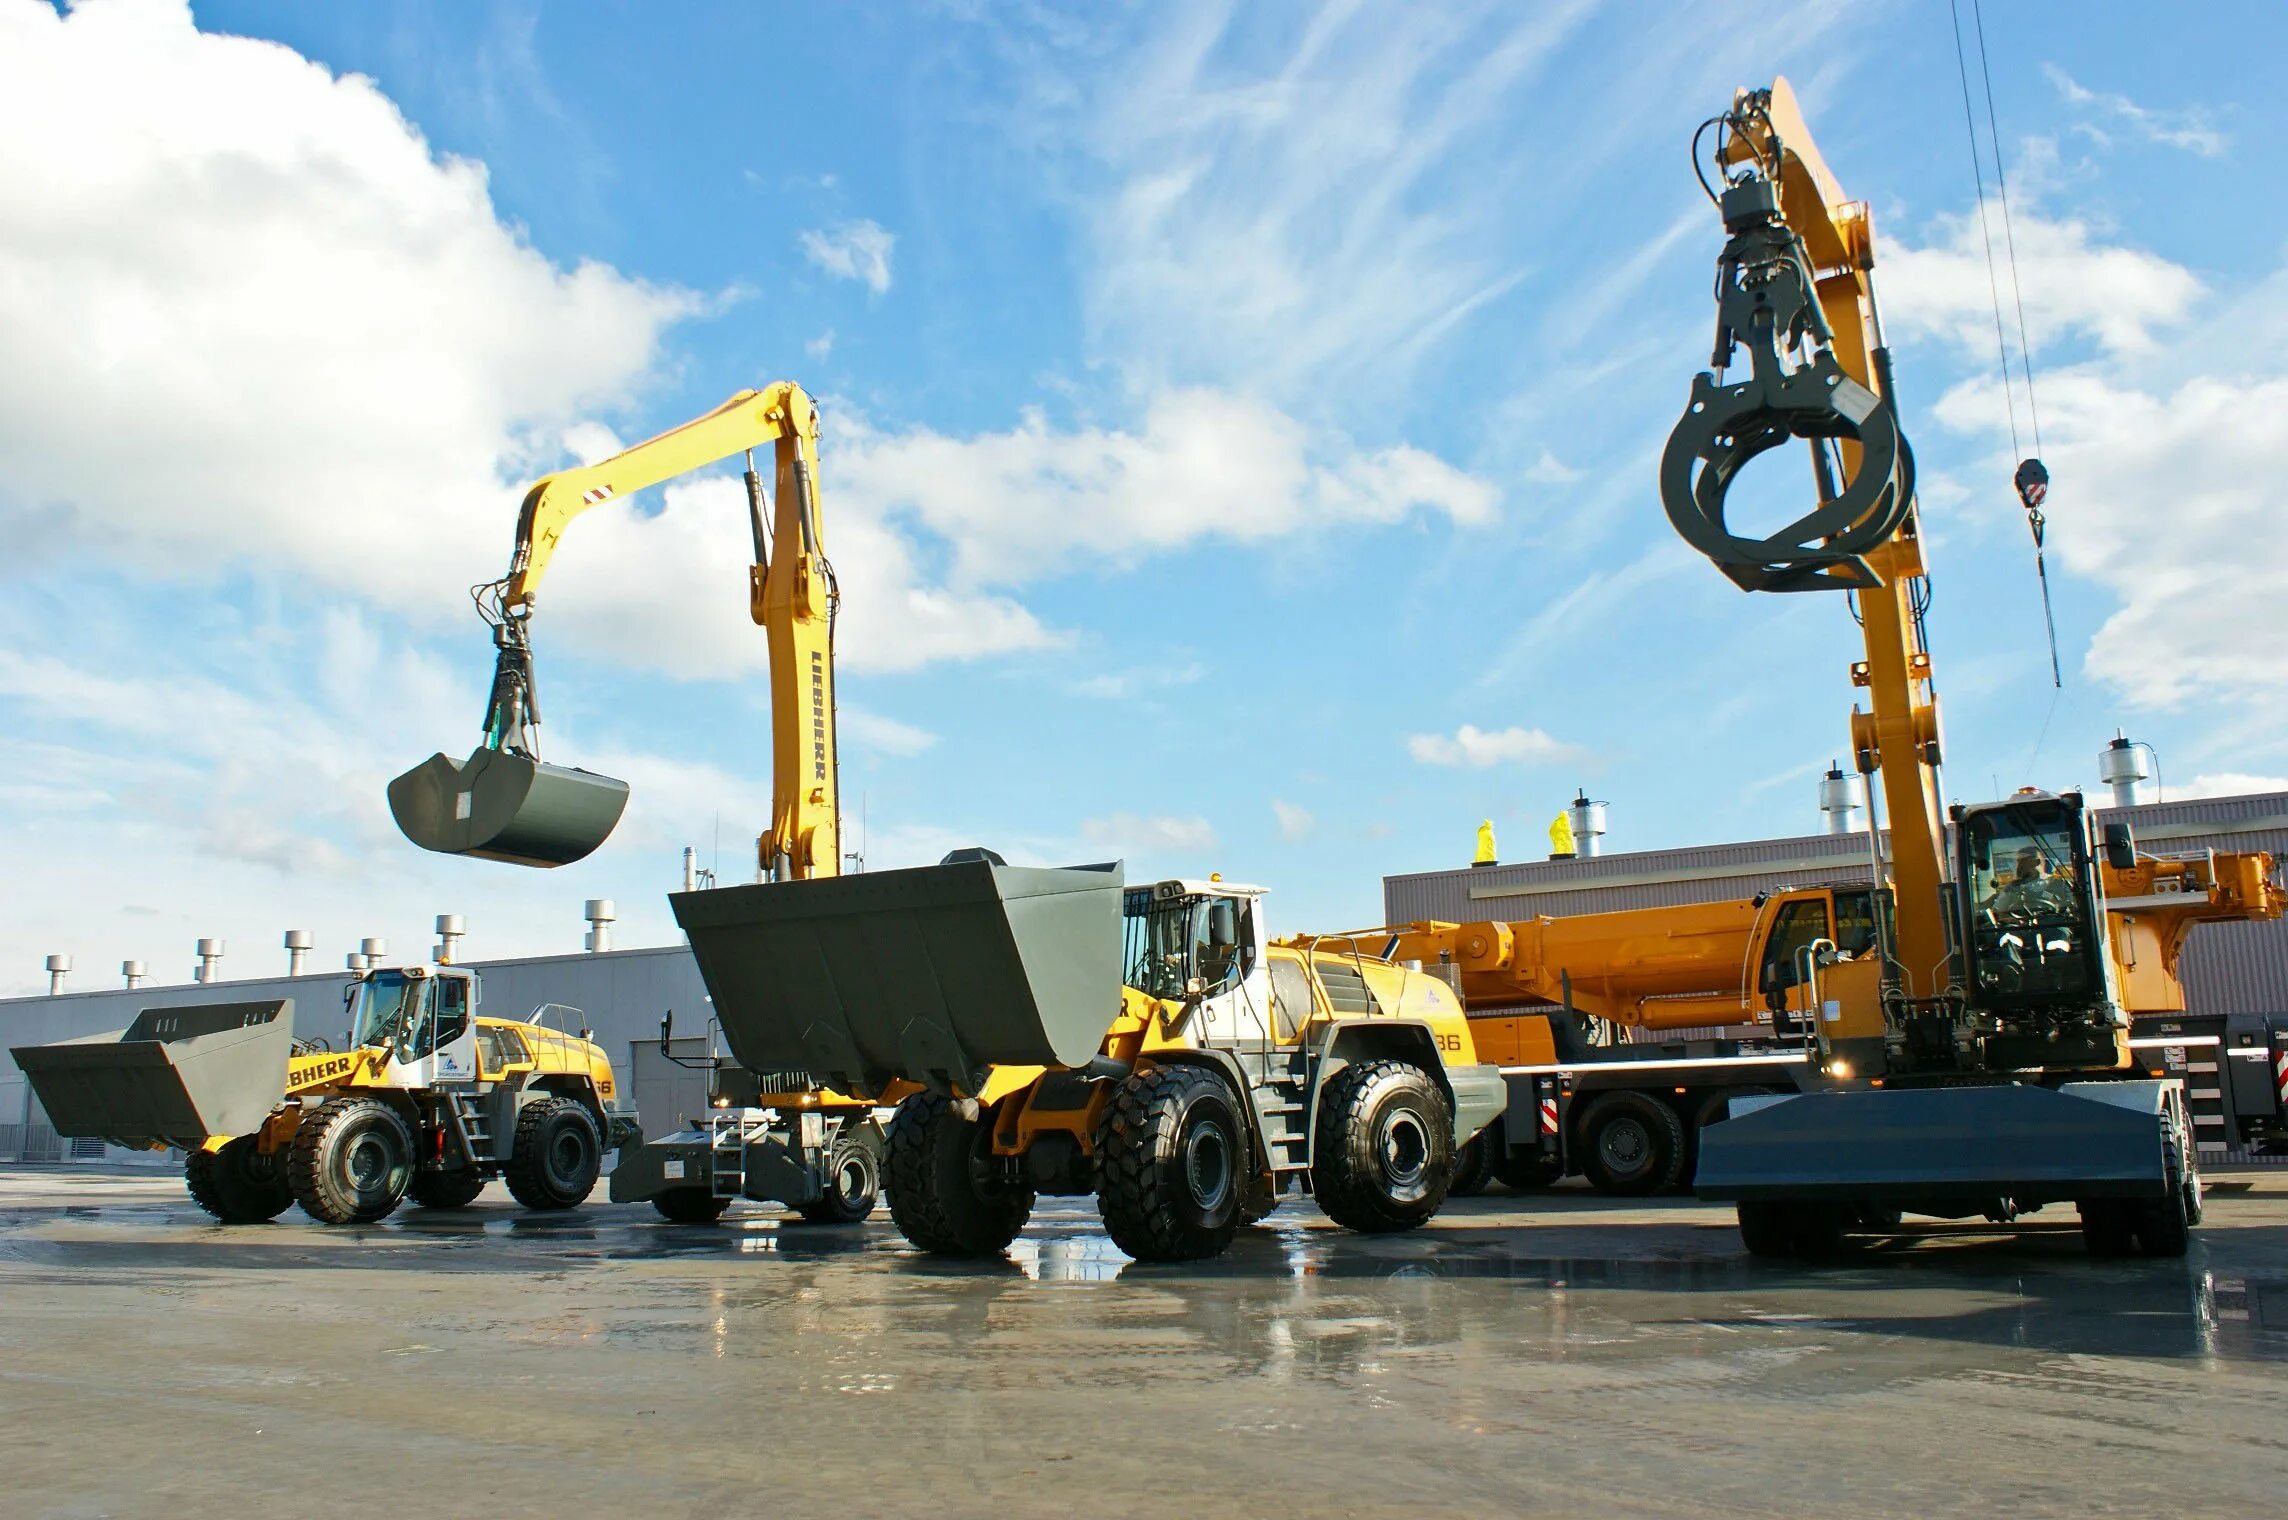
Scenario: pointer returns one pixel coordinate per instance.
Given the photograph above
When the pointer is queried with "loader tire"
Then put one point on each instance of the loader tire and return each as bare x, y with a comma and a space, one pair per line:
456, 1189
1171, 1164
690, 1205
2164, 1225
238, 1184
942, 1198
557, 1155
1473, 1169
853, 1178
1631, 1144
352, 1162
1384, 1150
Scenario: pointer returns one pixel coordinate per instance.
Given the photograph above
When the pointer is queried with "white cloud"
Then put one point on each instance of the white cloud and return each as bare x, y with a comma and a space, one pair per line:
1133, 832
1294, 822
1117, 685
2071, 283
2188, 129
857, 250
1203, 464
874, 731
1473, 746
273, 324
2227, 784
820, 346
1549, 470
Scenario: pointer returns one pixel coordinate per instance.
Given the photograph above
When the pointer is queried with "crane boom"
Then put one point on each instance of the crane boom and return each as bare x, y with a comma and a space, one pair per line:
505, 803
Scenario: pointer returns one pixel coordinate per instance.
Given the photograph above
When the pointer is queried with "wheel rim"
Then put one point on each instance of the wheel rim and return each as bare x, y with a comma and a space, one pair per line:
569, 1155
369, 1163
1207, 1164
1404, 1146
1625, 1146
854, 1179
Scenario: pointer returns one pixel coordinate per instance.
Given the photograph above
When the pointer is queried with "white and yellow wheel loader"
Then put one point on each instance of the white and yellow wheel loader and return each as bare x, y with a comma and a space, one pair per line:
1044, 1031
427, 1100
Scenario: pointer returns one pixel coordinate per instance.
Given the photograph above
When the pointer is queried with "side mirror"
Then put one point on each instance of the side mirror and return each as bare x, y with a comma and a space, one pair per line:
1980, 857
1196, 987
2120, 847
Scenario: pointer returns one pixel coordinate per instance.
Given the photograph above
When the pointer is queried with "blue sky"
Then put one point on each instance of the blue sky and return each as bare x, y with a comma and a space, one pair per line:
1241, 429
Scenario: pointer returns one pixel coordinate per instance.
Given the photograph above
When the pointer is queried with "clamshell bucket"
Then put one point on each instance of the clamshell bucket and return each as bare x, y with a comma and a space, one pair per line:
503, 806
175, 1076
930, 975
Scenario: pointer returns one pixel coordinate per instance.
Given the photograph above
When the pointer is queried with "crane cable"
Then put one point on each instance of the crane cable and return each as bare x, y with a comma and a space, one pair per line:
2033, 478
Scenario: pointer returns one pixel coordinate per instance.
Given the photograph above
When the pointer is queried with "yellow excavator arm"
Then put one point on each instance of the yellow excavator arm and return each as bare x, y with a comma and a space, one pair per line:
504, 803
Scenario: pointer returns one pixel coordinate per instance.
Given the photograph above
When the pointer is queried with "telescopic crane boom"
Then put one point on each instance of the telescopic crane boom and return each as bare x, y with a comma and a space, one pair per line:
505, 803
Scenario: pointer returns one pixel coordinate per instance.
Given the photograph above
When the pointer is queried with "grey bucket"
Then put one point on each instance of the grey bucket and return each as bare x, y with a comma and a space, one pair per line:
175, 1075
501, 806
930, 975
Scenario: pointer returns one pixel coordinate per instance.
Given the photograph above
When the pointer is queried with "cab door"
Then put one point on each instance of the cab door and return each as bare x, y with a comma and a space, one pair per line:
1786, 986
438, 1043
1227, 956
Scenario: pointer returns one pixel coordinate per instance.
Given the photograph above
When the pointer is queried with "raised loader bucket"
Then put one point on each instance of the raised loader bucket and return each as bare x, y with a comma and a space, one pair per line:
503, 806
174, 1076
931, 975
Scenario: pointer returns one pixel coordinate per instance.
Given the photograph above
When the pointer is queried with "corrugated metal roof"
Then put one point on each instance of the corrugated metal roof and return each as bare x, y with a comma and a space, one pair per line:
2228, 968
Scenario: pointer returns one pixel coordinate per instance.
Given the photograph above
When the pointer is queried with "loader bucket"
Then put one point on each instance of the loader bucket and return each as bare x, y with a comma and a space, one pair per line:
930, 975
502, 806
174, 1076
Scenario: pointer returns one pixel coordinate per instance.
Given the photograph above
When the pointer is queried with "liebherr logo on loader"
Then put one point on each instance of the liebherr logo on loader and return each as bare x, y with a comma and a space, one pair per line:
326, 1071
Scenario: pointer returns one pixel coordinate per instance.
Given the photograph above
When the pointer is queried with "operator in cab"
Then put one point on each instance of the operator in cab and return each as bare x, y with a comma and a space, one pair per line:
2030, 889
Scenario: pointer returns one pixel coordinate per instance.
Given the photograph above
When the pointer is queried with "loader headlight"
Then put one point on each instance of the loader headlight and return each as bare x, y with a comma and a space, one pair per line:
1840, 1070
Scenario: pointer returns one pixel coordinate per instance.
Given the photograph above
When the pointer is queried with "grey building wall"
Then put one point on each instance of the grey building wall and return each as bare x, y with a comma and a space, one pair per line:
621, 995
2228, 968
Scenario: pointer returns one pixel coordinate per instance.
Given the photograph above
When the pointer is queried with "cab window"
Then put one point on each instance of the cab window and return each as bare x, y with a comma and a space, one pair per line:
452, 1009
1799, 924
1855, 922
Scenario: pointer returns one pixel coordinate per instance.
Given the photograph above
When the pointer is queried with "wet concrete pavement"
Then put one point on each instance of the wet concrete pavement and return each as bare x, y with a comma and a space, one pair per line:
1551, 1355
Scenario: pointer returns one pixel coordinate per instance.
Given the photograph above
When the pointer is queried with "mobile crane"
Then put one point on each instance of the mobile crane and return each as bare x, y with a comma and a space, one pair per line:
505, 803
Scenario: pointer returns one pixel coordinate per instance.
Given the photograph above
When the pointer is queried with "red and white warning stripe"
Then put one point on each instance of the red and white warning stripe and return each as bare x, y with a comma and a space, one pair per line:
2280, 1071
1549, 1110
600, 493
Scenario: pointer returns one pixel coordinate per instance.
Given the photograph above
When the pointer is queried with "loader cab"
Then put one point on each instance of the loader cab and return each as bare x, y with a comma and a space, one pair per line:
424, 1016
1202, 943
2029, 896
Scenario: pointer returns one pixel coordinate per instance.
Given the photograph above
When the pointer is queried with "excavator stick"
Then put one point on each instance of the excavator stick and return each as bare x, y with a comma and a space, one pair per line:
929, 975
176, 1076
499, 805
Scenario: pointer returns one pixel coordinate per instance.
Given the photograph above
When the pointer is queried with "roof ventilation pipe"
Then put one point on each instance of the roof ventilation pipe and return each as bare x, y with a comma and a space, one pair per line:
1588, 821
59, 967
210, 961
375, 949
133, 971
298, 944
450, 928
357, 962
2124, 765
1841, 798
600, 913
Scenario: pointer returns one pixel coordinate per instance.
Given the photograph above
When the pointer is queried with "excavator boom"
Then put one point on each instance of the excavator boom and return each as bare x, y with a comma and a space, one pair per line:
505, 803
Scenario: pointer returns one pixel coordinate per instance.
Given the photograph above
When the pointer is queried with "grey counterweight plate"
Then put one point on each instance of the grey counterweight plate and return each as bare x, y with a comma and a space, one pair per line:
176, 1075
930, 975
508, 807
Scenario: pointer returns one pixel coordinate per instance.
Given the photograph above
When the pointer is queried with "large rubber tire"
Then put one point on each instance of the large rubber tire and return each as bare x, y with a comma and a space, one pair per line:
1804, 1231
557, 1155
1171, 1161
853, 1177
940, 1199
238, 1184
2108, 1226
456, 1189
1384, 1150
1767, 1230
690, 1205
1473, 1169
2164, 1225
1631, 1144
352, 1162
1529, 1171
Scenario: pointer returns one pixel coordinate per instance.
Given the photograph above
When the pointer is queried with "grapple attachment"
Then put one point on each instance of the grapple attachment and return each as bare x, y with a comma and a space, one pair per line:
504, 806
174, 1076
929, 975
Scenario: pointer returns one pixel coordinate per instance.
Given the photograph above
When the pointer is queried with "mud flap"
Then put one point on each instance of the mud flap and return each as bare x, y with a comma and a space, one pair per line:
1941, 1145
931, 975
500, 806
175, 1076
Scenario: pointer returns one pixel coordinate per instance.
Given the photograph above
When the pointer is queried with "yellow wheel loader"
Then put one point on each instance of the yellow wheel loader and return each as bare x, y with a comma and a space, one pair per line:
1058, 1032
427, 1100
